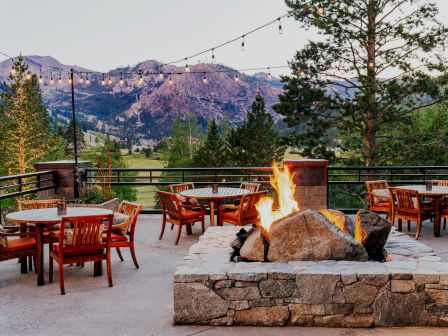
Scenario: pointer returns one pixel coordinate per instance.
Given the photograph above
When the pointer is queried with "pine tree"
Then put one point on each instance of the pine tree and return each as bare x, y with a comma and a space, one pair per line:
26, 135
256, 142
377, 63
212, 153
69, 137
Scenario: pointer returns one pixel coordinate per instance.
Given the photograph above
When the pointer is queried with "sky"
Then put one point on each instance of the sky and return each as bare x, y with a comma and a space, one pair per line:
104, 34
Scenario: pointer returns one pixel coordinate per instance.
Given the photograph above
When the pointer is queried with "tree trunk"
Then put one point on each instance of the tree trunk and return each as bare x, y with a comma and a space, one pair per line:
371, 113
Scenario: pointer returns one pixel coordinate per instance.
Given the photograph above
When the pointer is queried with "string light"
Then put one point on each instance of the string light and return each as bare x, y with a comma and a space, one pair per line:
237, 78
280, 29
302, 73
28, 75
204, 80
81, 79
103, 81
170, 81
69, 78
320, 10
140, 80
60, 79
242, 43
161, 74
41, 80
213, 56
187, 68
13, 70
269, 74
110, 80
121, 79
371, 65
51, 79
87, 79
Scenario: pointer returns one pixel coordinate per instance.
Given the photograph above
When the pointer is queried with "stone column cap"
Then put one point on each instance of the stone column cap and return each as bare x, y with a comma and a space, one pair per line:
306, 163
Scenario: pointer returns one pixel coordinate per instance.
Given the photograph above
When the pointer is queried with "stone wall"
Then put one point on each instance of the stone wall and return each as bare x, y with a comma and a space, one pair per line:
411, 289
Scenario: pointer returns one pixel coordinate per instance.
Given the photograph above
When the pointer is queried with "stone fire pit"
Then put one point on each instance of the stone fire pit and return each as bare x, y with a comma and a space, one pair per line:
409, 290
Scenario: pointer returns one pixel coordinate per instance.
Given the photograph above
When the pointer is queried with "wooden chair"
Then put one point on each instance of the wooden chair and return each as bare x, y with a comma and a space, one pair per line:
406, 204
444, 205
243, 214
252, 187
178, 188
37, 204
87, 244
131, 210
379, 203
176, 213
22, 247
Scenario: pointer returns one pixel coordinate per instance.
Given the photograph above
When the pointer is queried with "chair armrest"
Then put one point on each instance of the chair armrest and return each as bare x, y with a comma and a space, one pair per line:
198, 206
127, 223
229, 206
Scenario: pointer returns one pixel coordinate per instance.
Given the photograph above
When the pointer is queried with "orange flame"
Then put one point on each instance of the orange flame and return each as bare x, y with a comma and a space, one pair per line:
282, 182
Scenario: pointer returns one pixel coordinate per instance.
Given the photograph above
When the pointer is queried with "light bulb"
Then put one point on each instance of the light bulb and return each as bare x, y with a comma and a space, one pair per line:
204, 80
81, 80
103, 82
371, 65
87, 79
187, 68
280, 29
28, 75
60, 80
140, 80
51, 81
110, 80
320, 10
121, 79
269, 74
302, 73
213, 57
242, 44
13, 71
237, 78
170, 81
70, 80
41, 80
161, 74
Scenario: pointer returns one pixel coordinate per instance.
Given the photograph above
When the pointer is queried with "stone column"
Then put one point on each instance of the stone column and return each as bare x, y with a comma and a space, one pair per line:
64, 175
310, 178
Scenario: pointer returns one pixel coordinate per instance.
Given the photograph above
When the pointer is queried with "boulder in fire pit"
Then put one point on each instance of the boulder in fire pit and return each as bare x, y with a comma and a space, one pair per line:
255, 247
310, 236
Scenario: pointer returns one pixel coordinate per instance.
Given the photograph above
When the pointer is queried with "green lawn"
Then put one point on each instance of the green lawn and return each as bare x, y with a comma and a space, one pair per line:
145, 194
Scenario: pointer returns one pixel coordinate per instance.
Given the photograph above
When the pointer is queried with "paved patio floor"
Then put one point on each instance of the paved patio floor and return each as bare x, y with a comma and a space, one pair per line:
140, 303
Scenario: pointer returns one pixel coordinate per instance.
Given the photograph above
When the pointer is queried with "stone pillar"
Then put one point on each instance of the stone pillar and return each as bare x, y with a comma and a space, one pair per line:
310, 178
64, 175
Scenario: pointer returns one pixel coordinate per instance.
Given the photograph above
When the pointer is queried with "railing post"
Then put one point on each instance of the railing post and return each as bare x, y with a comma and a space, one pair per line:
424, 175
183, 176
38, 181
118, 176
19, 182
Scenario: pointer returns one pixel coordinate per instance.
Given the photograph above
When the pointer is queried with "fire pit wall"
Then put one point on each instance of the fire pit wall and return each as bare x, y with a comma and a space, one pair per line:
409, 290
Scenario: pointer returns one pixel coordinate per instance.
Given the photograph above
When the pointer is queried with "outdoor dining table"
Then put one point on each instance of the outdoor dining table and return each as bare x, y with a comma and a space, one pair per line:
43, 218
436, 194
214, 198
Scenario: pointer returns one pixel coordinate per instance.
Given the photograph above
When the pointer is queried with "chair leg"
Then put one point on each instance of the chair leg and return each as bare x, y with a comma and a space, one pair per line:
50, 270
109, 270
119, 254
30, 263
134, 258
400, 224
61, 276
178, 233
163, 227
409, 225
419, 225
203, 225
444, 223
172, 226
35, 264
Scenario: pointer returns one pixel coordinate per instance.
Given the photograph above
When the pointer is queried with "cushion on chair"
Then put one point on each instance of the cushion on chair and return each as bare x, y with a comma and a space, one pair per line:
380, 195
119, 218
68, 236
188, 213
19, 244
187, 201
3, 239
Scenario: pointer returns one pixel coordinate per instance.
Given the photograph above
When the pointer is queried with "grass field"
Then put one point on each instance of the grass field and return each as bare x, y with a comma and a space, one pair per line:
145, 194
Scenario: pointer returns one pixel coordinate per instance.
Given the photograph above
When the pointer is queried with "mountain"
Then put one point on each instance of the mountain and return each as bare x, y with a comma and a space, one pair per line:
146, 110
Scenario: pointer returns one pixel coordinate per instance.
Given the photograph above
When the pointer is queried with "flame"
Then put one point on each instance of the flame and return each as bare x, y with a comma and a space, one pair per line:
282, 182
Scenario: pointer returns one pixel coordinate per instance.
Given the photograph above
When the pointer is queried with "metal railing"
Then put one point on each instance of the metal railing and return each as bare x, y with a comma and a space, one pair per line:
23, 184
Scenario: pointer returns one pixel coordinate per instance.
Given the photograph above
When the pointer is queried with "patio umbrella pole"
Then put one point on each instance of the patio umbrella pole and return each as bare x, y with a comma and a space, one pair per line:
75, 142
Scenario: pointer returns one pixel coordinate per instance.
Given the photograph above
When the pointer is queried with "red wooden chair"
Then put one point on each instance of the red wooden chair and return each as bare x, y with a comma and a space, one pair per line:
176, 213
22, 247
407, 205
379, 197
84, 242
252, 187
243, 214
444, 205
131, 210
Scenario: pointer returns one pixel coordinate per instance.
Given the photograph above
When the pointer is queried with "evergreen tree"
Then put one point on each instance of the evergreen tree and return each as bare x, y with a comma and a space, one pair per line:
25, 133
70, 141
256, 142
212, 153
379, 62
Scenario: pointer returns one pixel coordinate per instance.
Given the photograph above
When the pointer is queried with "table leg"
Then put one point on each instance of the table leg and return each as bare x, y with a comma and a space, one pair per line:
218, 203
98, 268
212, 213
436, 216
23, 260
40, 255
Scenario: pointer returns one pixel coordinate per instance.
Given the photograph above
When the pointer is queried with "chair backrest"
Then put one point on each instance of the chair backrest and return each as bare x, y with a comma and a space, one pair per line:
170, 203
37, 204
252, 187
440, 183
132, 210
372, 185
86, 232
178, 188
405, 200
247, 205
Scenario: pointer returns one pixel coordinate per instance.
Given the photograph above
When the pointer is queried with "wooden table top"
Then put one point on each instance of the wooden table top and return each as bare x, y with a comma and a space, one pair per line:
207, 193
50, 215
436, 191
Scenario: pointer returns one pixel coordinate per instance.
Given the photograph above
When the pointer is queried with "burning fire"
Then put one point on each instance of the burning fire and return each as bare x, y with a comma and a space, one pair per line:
285, 188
